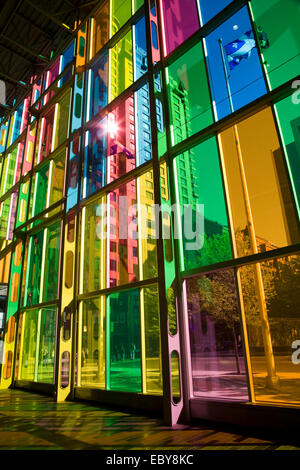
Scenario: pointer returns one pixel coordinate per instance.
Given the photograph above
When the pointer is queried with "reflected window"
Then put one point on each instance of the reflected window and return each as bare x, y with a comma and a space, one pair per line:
218, 365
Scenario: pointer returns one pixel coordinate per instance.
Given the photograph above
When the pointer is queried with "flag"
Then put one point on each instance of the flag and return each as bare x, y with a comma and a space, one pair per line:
240, 49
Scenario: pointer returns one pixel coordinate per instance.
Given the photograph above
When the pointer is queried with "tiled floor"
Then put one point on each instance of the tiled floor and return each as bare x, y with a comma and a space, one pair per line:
31, 421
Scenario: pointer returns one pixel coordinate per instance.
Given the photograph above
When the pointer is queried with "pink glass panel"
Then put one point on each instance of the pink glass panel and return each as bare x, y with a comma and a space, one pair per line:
180, 21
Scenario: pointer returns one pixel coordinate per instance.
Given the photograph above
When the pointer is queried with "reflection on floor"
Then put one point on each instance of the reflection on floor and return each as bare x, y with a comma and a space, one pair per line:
31, 421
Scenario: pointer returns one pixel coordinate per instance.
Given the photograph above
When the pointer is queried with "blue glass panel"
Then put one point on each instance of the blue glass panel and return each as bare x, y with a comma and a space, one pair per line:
73, 181
238, 55
77, 102
143, 141
95, 158
140, 49
67, 57
96, 97
210, 8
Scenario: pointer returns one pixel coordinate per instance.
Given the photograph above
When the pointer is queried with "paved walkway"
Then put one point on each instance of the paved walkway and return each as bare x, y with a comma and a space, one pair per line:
32, 421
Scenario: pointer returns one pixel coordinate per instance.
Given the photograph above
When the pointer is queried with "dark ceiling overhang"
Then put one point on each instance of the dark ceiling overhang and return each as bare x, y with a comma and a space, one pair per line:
29, 31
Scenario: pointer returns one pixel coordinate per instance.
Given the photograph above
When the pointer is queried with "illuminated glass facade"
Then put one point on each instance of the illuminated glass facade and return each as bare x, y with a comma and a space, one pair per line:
149, 210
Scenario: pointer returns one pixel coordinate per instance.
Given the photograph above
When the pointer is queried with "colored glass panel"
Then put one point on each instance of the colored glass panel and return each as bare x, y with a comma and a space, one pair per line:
147, 226
73, 176
288, 115
210, 9
140, 49
262, 203
93, 343
61, 123
29, 340
120, 13
77, 102
44, 137
123, 236
95, 158
279, 46
152, 340
39, 191
46, 345
271, 303
93, 247
180, 20
218, 366
121, 66
97, 86
160, 118
123, 341
143, 121
205, 230
245, 81
31, 293
189, 100
52, 252
99, 30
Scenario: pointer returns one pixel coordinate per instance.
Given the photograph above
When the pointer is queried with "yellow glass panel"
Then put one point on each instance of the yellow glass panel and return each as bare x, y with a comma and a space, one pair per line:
270, 300
262, 204
93, 342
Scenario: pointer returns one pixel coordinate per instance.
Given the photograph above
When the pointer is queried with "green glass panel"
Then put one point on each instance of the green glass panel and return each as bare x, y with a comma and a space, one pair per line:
38, 194
189, 100
51, 262
277, 22
4, 214
121, 12
93, 343
121, 66
28, 352
22, 203
46, 343
138, 4
32, 287
123, 341
8, 171
200, 182
152, 340
161, 130
288, 115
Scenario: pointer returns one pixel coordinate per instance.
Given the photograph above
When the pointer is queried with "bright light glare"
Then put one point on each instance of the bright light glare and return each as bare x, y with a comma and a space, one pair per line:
112, 126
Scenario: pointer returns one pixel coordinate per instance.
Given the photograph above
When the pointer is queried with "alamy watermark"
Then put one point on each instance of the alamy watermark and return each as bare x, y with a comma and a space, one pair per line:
132, 221
296, 94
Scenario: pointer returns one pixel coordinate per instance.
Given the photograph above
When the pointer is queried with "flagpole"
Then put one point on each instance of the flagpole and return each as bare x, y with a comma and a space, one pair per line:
272, 378
226, 75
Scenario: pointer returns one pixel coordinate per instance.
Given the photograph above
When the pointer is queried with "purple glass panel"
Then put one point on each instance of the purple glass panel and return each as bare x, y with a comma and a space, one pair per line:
180, 22
218, 367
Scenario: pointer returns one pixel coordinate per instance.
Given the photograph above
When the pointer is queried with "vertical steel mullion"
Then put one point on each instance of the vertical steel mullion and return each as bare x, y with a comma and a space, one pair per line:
77, 228
164, 330
181, 326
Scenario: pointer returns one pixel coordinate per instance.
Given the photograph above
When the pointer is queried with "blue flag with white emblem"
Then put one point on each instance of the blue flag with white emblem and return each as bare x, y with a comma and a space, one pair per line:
240, 49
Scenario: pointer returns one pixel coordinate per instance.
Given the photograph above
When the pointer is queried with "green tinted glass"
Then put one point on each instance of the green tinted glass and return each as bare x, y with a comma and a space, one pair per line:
277, 24
189, 99
288, 115
123, 341
200, 183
